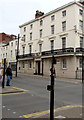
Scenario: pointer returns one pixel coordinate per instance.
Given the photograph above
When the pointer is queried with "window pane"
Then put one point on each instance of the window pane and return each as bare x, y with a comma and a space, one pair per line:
64, 64
41, 22
52, 17
80, 12
40, 33
40, 47
63, 42
30, 49
52, 29
64, 26
81, 24
30, 36
80, 63
52, 45
81, 42
64, 13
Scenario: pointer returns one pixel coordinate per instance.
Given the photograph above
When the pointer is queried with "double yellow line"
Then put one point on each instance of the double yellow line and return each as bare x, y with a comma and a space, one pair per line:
13, 93
43, 113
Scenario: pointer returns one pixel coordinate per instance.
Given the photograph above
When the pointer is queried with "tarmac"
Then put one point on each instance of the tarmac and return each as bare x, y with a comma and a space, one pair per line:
74, 112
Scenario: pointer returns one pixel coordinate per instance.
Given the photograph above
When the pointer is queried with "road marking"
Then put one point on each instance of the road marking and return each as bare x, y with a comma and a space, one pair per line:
14, 112
76, 82
23, 91
3, 106
19, 89
8, 109
14, 93
20, 116
33, 115
60, 116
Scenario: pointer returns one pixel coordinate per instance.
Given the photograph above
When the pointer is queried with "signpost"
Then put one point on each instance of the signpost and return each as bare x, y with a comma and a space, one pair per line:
51, 89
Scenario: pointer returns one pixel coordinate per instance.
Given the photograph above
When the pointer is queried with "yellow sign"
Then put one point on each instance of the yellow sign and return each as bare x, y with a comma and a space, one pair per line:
2, 61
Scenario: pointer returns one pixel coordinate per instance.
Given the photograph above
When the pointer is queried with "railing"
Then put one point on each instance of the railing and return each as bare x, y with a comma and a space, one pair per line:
79, 50
47, 53
26, 55
59, 51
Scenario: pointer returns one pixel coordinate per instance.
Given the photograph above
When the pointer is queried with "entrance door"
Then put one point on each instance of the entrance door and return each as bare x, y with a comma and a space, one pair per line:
38, 67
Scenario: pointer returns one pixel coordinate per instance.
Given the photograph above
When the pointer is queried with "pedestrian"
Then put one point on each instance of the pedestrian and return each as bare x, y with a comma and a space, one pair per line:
9, 75
1, 75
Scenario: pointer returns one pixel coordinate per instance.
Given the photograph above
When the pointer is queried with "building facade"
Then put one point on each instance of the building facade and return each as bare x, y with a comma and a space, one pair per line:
60, 31
9, 51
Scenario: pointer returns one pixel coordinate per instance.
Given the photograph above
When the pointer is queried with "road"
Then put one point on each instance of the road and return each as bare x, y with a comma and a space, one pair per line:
37, 98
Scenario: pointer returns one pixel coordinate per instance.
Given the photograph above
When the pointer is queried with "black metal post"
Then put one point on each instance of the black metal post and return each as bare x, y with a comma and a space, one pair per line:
3, 82
52, 90
42, 67
82, 65
83, 47
17, 54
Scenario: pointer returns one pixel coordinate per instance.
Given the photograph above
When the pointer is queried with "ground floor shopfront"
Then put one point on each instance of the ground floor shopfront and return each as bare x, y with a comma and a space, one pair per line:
68, 66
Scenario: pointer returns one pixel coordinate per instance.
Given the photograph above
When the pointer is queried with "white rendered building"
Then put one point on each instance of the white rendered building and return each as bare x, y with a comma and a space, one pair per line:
60, 30
9, 51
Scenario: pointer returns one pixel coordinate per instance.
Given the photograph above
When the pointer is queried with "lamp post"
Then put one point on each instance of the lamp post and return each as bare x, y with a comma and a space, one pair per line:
17, 53
82, 65
83, 47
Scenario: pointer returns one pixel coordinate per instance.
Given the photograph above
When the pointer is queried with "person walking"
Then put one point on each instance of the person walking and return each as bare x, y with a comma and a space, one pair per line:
9, 75
1, 75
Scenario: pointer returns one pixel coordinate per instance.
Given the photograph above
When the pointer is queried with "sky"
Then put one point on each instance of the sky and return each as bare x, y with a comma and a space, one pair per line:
16, 12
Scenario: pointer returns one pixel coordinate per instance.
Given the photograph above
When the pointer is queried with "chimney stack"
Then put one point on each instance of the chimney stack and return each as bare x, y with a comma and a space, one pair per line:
38, 14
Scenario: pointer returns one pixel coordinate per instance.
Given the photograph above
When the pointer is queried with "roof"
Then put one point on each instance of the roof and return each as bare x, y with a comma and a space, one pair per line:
51, 12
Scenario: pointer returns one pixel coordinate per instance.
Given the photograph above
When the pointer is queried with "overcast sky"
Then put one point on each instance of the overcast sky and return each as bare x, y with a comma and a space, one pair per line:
16, 12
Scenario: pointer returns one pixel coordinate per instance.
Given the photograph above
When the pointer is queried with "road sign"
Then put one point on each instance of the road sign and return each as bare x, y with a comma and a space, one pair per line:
2, 61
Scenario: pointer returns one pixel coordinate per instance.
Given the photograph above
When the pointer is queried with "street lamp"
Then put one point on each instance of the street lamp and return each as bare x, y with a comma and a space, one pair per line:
17, 53
82, 65
83, 46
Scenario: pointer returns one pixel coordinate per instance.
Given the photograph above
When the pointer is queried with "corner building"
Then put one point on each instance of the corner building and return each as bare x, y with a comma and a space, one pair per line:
60, 31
